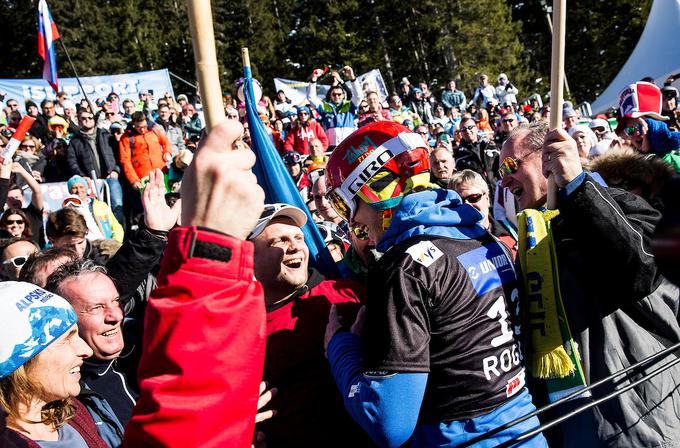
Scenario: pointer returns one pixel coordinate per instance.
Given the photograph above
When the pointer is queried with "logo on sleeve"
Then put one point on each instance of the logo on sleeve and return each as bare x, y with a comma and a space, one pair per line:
424, 253
488, 267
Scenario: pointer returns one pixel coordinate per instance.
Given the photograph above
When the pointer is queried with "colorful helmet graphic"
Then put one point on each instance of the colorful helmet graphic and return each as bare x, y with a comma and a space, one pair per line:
379, 163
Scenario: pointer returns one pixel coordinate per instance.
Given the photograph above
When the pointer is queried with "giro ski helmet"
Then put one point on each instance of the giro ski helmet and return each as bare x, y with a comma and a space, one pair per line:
378, 164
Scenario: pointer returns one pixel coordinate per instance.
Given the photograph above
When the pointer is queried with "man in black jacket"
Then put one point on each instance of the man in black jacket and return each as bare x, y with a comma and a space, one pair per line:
618, 307
479, 155
91, 150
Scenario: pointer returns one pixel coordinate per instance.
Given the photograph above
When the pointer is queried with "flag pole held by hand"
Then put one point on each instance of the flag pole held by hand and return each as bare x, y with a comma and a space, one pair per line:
205, 55
556, 83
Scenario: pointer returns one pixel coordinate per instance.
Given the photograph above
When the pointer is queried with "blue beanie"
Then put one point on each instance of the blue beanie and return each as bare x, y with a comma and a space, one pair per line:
303, 109
76, 180
661, 139
32, 319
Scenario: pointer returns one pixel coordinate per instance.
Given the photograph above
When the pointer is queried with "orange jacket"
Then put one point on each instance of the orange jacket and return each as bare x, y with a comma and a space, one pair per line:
148, 153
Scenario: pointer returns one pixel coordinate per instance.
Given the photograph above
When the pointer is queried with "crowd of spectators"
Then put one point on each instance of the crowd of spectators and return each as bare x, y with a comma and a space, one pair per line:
165, 304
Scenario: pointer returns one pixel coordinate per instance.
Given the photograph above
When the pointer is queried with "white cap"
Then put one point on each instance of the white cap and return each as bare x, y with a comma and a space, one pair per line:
272, 211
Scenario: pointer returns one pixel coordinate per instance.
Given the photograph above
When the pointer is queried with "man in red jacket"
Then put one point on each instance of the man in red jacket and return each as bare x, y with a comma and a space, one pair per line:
205, 323
303, 132
309, 409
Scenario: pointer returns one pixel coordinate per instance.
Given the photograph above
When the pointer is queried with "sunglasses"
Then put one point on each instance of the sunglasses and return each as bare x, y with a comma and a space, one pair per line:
473, 198
630, 130
14, 221
27, 146
508, 166
467, 128
86, 118
110, 114
17, 261
509, 120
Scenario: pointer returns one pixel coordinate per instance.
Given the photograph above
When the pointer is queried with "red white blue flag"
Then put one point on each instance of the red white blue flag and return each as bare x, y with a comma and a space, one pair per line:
47, 35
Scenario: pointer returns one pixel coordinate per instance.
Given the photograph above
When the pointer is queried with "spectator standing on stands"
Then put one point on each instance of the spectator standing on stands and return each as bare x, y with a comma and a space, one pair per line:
337, 112
91, 152
452, 97
485, 93
143, 150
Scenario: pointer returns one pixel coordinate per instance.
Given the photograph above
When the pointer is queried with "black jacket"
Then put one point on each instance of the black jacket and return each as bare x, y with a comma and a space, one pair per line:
79, 155
620, 311
481, 157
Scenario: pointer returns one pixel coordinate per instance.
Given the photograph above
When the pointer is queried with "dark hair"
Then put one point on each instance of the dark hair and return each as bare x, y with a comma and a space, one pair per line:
45, 101
28, 230
41, 259
30, 103
138, 116
66, 222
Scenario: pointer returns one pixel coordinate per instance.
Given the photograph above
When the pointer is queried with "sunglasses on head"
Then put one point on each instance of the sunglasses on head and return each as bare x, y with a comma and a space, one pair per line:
17, 262
473, 198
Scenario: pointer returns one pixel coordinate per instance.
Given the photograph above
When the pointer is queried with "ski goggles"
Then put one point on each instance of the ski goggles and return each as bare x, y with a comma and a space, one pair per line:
343, 199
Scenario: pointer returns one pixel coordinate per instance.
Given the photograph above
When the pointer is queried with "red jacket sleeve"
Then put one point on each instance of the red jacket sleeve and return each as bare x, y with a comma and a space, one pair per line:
203, 352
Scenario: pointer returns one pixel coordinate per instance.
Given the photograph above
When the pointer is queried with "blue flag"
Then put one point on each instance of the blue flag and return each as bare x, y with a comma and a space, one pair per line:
277, 184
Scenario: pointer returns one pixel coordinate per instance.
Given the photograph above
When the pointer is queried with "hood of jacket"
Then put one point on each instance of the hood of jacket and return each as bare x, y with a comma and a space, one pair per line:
433, 212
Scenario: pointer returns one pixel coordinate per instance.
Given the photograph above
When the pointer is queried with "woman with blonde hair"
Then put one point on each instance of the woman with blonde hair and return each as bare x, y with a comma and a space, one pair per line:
40, 358
474, 190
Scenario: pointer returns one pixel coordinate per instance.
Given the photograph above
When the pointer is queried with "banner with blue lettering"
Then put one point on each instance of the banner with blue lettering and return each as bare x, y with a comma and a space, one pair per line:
127, 85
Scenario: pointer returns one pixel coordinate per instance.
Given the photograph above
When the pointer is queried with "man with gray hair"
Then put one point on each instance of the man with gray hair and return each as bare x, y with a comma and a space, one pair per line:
109, 386
618, 308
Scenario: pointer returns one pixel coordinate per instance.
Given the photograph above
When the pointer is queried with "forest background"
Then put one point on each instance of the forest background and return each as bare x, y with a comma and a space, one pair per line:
426, 40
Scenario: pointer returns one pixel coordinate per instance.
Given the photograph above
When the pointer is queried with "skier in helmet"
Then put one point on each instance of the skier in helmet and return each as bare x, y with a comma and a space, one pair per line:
435, 357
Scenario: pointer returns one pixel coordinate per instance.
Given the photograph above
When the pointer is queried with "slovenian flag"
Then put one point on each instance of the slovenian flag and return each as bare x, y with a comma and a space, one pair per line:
277, 184
47, 35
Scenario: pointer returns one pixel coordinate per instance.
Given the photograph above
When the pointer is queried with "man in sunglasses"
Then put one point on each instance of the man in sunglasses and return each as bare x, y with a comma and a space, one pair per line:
438, 357
337, 112
615, 301
14, 254
477, 154
508, 123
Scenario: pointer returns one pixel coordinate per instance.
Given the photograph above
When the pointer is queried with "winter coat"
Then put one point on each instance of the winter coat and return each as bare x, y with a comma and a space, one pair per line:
204, 340
142, 153
80, 157
620, 311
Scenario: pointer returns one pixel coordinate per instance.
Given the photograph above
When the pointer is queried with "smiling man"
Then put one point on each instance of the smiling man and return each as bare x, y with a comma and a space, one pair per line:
109, 384
308, 407
615, 300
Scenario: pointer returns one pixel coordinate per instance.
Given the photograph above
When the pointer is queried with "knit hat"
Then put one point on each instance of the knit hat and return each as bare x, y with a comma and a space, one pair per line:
303, 109
568, 110
585, 130
642, 99
76, 180
32, 319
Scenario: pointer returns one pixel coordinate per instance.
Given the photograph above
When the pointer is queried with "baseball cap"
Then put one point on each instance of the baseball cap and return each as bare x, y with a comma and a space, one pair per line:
642, 99
272, 211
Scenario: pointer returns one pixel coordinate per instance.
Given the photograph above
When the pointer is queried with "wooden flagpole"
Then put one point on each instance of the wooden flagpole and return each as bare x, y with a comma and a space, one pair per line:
556, 82
205, 55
